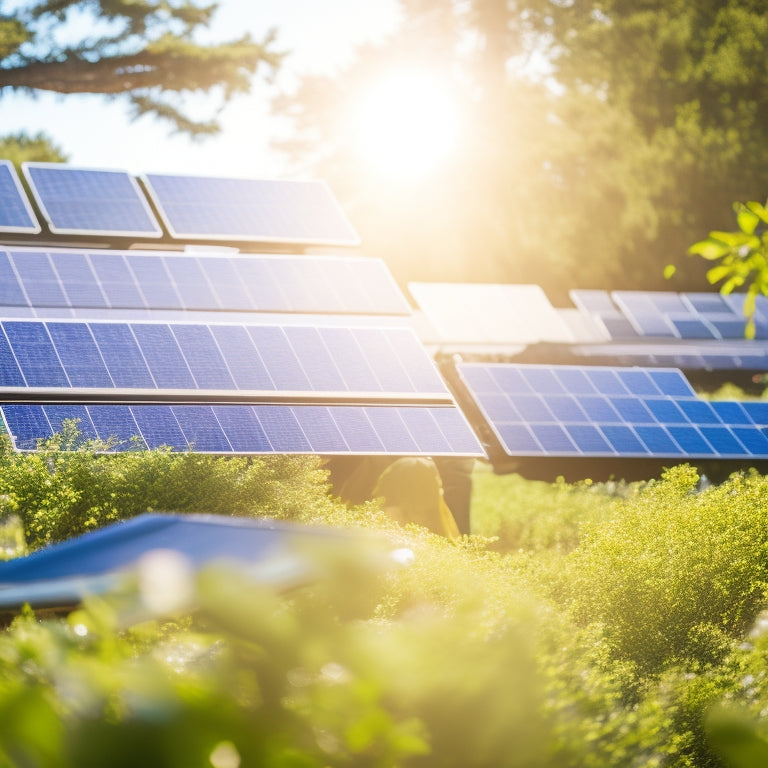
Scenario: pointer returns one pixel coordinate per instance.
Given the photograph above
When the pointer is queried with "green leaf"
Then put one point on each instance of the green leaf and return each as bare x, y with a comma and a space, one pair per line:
669, 271
718, 273
749, 302
709, 249
732, 239
747, 220
759, 210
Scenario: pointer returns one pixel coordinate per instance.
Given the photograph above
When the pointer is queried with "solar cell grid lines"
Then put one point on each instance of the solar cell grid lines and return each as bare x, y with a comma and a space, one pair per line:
195, 356
260, 429
260, 210
693, 315
205, 282
16, 214
84, 201
603, 411
483, 314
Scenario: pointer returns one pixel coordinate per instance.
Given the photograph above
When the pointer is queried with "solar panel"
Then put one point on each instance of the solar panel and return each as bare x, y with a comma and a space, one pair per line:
260, 210
85, 201
66, 354
695, 315
260, 429
129, 279
16, 213
481, 313
611, 412
737, 355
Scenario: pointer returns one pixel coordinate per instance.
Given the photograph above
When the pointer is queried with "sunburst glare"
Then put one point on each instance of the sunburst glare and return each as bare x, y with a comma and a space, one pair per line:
408, 125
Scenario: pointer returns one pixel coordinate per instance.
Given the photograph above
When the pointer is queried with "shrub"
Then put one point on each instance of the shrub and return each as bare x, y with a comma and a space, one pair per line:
58, 492
675, 573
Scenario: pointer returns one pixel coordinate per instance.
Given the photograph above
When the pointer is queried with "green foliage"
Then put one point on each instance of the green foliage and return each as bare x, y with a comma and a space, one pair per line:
148, 51
595, 625
742, 256
21, 147
59, 492
676, 574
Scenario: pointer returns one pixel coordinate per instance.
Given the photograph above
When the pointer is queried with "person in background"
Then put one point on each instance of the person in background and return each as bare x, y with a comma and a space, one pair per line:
414, 489
413, 493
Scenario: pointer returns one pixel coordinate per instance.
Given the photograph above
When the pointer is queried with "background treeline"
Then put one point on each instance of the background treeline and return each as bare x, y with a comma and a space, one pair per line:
602, 139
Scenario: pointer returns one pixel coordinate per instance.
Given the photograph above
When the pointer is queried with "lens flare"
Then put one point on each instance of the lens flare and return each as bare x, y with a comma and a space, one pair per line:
408, 125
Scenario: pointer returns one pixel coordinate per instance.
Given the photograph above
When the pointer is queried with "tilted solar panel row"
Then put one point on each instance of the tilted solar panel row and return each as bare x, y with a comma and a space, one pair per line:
571, 411
84, 201
249, 209
16, 214
128, 279
666, 314
192, 356
260, 429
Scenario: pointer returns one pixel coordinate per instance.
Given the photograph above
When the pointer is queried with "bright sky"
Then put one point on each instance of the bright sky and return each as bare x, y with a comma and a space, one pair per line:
318, 36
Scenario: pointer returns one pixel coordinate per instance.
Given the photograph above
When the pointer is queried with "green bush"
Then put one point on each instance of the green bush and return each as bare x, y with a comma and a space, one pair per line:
58, 492
676, 573
597, 625
535, 516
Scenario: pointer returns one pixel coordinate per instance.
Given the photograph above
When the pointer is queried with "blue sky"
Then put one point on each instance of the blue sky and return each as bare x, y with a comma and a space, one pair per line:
94, 133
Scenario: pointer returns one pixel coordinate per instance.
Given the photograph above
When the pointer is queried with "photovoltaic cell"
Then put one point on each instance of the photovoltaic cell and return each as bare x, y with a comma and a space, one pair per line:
16, 213
78, 201
653, 412
267, 211
201, 282
263, 429
189, 356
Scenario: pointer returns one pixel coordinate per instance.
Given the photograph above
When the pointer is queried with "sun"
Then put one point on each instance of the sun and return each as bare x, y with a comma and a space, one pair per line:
408, 125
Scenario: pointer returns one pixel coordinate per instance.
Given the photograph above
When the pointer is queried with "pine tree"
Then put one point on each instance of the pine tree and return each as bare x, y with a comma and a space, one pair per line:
142, 50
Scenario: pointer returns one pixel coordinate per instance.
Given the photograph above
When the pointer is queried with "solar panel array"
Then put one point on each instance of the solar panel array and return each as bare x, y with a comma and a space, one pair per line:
15, 211
684, 315
666, 314
194, 207
572, 411
77, 201
691, 330
128, 279
311, 378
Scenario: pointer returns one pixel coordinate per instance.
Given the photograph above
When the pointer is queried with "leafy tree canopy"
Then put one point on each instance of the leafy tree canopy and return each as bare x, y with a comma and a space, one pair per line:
602, 138
146, 51
21, 147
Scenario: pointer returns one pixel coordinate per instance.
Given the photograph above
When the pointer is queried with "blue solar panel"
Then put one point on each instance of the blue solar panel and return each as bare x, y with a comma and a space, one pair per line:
599, 409
730, 412
201, 282
692, 328
658, 441
589, 439
632, 410
553, 438
652, 413
705, 303
753, 438
624, 440
15, 211
250, 209
189, 356
591, 300
88, 201
263, 429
